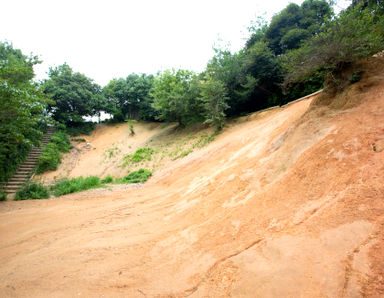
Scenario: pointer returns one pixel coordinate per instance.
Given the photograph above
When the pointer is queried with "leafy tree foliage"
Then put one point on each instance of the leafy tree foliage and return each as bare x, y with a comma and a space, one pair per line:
295, 24
348, 38
376, 7
175, 94
74, 94
263, 76
214, 96
229, 69
22, 108
129, 98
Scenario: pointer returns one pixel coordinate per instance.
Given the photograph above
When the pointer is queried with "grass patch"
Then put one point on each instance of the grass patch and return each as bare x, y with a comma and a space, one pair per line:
108, 179
67, 186
32, 191
140, 155
139, 176
204, 139
183, 153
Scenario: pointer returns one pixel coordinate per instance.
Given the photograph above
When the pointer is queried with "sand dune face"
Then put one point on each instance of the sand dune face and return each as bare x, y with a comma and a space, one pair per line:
284, 203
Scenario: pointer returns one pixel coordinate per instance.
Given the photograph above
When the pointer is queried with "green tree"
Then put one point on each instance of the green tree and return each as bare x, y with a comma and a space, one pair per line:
294, 24
353, 35
229, 69
263, 76
175, 96
214, 96
130, 97
22, 108
74, 94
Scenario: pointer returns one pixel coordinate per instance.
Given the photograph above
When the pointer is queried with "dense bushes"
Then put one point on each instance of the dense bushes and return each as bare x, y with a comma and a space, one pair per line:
50, 157
32, 191
22, 108
353, 35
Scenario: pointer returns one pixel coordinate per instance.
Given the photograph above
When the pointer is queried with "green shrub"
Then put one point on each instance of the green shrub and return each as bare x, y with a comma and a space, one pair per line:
67, 186
61, 139
108, 179
353, 35
32, 191
3, 195
140, 155
139, 176
49, 159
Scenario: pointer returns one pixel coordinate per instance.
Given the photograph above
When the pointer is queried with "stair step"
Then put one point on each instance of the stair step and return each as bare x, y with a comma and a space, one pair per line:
11, 183
12, 187
27, 167
17, 179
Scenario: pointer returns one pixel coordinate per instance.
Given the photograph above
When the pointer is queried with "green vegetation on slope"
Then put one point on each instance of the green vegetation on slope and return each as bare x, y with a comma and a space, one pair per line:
22, 108
50, 157
139, 176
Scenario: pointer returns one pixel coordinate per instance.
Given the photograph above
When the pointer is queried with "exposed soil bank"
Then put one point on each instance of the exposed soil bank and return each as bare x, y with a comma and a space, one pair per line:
282, 204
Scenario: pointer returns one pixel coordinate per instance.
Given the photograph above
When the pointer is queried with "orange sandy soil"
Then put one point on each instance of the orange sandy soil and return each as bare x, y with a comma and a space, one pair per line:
284, 203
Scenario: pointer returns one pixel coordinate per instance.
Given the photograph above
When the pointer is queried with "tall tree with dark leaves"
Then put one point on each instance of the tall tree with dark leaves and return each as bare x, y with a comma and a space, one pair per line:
22, 108
75, 95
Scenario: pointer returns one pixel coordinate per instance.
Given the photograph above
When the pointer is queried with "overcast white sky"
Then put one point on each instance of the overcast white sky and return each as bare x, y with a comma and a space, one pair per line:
113, 38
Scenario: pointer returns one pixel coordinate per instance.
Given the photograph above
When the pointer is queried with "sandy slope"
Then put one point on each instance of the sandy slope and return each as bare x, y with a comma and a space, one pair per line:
285, 203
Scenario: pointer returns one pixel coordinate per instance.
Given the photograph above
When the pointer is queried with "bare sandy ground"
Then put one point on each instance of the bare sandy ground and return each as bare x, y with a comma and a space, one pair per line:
285, 203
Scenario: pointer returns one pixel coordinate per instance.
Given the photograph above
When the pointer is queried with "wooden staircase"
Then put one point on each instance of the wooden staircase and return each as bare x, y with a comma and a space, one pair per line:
27, 168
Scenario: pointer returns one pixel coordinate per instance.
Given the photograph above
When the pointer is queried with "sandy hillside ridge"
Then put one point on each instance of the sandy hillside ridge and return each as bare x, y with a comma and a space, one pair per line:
284, 203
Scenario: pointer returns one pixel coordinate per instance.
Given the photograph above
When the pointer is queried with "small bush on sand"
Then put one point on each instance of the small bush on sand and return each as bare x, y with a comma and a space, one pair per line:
32, 191
108, 179
139, 176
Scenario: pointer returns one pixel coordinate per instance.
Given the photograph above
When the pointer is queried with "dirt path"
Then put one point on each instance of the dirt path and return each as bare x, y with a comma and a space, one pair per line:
280, 205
